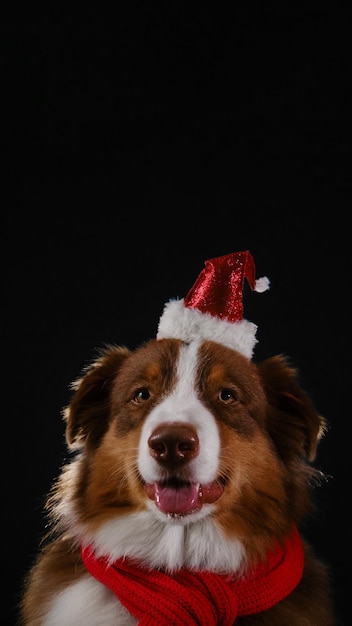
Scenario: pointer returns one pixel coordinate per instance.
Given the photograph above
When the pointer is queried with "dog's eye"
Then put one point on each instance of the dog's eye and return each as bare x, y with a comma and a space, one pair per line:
227, 396
141, 395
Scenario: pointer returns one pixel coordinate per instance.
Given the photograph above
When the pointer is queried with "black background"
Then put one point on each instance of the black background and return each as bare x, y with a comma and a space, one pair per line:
138, 144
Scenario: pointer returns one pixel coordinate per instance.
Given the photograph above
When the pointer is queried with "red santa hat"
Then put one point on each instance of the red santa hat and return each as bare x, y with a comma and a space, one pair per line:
213, 307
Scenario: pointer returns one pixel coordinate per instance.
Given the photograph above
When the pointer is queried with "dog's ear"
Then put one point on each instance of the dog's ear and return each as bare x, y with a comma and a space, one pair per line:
292, 421
88, 413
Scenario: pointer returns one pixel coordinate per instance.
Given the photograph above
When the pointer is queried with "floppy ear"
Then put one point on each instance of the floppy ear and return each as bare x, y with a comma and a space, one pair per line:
292, 421
88, 413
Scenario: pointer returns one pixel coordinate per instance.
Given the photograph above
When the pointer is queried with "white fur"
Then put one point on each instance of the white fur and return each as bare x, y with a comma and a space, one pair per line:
183, 406
87, 603
169, 543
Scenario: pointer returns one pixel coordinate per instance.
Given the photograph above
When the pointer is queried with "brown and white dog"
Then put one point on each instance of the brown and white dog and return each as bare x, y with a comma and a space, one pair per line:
191, 470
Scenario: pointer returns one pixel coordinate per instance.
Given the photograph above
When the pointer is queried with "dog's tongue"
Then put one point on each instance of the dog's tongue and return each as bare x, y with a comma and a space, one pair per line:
177, 501
183, 499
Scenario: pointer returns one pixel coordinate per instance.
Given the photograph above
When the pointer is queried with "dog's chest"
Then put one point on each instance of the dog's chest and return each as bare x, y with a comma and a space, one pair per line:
87, 603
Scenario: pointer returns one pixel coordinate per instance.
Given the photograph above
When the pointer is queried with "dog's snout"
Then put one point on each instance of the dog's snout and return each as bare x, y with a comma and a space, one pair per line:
173, 444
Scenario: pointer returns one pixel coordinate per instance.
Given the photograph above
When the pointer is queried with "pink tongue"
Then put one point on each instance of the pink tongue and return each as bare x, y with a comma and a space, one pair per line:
177, 501
183, 499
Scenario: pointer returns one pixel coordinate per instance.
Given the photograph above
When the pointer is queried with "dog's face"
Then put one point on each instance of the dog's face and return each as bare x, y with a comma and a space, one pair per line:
184, 433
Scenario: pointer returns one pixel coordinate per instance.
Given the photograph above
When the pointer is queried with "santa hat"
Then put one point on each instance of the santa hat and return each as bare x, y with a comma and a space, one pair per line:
213, 307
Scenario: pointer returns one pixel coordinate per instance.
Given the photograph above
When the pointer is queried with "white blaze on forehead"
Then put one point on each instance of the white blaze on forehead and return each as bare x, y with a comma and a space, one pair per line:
183, 405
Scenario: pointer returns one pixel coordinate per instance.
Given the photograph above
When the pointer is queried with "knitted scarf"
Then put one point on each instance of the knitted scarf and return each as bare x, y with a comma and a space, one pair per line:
191, 598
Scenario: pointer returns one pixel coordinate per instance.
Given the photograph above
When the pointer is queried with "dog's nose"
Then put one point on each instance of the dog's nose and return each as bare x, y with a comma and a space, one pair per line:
173, 444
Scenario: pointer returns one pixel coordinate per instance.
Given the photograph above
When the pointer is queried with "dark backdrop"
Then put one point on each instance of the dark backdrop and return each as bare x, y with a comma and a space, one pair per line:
137, 145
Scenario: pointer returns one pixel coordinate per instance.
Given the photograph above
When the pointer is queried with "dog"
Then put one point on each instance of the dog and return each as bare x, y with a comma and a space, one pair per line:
189, 477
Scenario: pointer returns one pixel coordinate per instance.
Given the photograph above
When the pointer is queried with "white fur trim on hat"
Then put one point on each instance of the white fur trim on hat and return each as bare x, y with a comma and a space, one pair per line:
187, 324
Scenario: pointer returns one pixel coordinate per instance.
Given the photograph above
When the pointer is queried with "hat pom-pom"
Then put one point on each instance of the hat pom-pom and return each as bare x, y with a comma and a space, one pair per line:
262, 284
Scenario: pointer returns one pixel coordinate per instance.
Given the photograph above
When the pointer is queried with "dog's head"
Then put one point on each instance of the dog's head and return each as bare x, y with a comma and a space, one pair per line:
189, 432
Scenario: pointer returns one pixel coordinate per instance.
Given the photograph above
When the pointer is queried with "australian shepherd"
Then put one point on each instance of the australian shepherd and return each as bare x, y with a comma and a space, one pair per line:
189, 479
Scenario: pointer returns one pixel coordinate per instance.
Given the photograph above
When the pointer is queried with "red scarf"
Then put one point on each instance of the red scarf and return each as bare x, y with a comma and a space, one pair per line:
190, 598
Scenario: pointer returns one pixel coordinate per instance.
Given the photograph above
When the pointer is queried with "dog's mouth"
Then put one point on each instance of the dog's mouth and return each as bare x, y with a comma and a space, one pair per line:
178, 497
